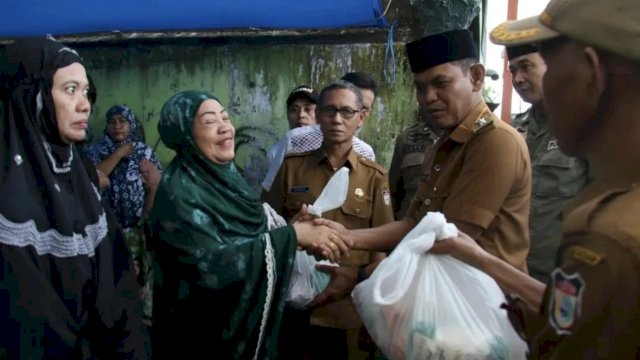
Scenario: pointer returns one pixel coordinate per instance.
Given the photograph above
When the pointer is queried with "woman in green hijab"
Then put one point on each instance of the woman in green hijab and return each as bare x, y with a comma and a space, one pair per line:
221, 276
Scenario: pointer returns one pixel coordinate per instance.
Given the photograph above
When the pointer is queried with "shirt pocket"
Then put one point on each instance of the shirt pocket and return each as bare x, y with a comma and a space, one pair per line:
295, 200
558, 176
411, 169
357, 212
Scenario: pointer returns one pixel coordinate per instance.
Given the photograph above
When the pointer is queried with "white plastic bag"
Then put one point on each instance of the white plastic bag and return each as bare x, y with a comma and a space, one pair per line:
333, 195
307, 282
423, 306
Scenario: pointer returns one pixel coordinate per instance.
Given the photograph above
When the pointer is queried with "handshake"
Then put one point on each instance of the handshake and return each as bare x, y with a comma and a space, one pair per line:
322, 238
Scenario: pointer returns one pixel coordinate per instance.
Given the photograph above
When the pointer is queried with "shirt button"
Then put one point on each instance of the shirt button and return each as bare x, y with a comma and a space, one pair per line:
357, 211
437, 167
427, 202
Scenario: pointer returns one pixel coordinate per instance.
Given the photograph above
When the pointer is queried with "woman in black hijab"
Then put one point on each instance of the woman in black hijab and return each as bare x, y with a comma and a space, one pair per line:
67, 287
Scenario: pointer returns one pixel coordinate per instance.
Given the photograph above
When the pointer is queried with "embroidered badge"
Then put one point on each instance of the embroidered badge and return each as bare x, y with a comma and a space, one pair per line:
585, 255
553, 144
386, 197
299, 189
480, 123
566, 300
359, 192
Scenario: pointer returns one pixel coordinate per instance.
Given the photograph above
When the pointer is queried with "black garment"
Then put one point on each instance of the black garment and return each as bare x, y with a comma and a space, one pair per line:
67, 288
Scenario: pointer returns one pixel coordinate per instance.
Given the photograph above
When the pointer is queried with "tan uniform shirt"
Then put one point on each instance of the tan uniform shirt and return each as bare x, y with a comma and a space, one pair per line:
556, 179
592, 304
406, 165
480, 174
301, 180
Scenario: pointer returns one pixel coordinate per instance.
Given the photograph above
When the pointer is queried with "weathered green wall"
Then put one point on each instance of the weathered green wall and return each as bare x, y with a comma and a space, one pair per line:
251, 80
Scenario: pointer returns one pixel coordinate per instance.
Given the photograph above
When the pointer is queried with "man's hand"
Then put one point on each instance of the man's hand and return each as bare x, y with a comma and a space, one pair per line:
302, 215
461, 247
338, 229
343, 280
320, 241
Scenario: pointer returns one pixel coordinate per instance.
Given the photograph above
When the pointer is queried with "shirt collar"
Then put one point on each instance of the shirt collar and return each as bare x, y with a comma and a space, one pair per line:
465, 130
320, 156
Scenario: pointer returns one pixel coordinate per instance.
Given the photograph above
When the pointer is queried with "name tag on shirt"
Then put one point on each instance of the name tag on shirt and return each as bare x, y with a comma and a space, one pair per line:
299, 189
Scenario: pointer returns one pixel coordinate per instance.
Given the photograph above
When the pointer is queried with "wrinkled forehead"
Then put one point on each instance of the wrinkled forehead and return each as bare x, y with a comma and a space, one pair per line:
339, 96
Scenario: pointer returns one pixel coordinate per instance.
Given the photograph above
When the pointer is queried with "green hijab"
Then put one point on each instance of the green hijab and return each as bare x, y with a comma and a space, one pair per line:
235, 208
216, 262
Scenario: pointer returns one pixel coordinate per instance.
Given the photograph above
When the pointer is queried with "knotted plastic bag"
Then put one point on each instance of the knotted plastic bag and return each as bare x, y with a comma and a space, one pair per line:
307, 282
333, 195
418, 305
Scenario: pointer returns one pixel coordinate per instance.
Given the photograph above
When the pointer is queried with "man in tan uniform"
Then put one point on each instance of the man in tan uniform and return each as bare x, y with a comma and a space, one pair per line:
478, 172
334, 320
591, 307
556, 177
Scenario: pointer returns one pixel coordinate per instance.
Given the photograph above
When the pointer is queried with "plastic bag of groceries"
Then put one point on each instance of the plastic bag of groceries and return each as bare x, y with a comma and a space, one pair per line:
424, 306
307, 282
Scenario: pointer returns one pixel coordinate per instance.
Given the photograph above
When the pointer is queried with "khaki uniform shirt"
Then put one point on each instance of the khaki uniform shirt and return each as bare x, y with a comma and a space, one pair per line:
591, 307
556, 178
480, 174
406, 165
301, 180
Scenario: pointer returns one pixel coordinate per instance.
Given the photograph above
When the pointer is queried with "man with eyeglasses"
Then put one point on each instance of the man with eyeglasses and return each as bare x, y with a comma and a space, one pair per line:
334, 323
478, 173
305, 134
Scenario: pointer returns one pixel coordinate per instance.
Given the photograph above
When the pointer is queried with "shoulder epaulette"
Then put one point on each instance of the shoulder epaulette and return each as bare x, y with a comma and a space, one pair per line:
482, 122
301, 154
372, 164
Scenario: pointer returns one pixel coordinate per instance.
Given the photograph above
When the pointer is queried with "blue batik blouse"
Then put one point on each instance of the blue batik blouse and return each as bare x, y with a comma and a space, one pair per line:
126, 194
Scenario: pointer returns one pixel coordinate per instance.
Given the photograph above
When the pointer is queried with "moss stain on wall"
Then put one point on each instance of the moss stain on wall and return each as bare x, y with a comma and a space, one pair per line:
252, 81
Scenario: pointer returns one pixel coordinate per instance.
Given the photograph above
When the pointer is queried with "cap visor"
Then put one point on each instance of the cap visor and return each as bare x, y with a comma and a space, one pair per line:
525, 31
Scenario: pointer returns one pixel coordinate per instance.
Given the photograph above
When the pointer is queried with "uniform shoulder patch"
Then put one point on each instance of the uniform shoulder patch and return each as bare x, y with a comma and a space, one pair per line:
372, 164
585, 255
565, 305
386, 197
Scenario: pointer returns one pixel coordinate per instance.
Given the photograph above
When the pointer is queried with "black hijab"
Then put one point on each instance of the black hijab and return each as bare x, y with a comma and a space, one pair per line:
48, 199
67, 288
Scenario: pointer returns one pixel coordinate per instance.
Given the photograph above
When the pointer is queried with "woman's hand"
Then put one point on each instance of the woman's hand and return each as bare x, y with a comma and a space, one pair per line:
150, 174
321, 241
103, 179
124, 150
336, 228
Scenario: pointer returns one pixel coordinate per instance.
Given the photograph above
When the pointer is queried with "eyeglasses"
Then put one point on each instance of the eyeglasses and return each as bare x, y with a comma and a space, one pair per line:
345, 112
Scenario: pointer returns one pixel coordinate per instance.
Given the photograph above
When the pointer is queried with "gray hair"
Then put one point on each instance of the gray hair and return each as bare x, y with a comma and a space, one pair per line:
465, 64
342, 84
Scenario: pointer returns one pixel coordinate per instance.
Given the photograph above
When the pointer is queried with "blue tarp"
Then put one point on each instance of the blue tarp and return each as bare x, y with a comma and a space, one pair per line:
70, 17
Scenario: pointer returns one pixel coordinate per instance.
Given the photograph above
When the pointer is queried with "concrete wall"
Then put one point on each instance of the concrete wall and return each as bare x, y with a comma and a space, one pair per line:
252, 81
